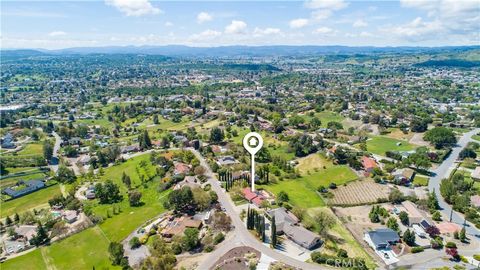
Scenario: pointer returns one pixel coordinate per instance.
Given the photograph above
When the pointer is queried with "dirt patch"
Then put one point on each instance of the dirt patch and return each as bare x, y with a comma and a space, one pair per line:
399, 135
359, 192
312, 162
417, 139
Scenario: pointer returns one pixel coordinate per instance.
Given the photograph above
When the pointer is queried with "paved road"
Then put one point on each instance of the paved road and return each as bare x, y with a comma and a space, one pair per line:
442, 172
56, 148
241, 236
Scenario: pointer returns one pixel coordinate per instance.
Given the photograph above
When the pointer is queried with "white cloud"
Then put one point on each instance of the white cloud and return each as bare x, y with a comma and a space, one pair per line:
417, 28
134, 7
206, 35
168, 24
266, 31
323, 30
360, 23
56, 33
204, 17
298, 23
326, 4
236, 27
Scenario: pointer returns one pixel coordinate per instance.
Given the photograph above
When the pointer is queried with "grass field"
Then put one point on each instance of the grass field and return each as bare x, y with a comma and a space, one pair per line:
83, 250
476, 137
38, 199
312, 162
380, 144
31, 149
325, 117
26, 261
339, 175
298, 191
116, 228
420, 180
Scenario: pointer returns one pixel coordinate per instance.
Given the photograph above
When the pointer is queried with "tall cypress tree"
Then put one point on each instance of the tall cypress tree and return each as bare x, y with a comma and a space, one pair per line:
273, 242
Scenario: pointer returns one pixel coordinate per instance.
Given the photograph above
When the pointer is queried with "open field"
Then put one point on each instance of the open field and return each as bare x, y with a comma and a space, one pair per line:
299, 193
115, 227
37, 199
420, 180
396, 133
26, 262
340, 238
84, 250
31, 149
327, 116
339, 174
380, 144
312, 162
476, 137
359, 192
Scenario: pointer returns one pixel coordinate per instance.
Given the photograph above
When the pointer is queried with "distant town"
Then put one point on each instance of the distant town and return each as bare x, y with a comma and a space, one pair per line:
371, 160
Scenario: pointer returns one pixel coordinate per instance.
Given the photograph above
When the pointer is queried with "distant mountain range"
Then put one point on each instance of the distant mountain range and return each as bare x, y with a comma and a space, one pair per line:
230, 51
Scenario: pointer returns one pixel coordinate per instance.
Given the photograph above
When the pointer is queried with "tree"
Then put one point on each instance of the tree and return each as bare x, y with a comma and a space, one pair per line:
134, 242
373, 215
144, 140
433, 201
409, 237
282, 197
65, 175
453, 252
41, 237
404, 218
273, 235
108, 193
116, 253
418, 125
467, 153
181, 199
126, 180
155, 119
396, 196
433, 231
190, 238
134, 198
440, 137
216, 135
302, 145
393, 224
202, 198
324, 221
462, 235
221, 221
47, 150
8, 221
16, 218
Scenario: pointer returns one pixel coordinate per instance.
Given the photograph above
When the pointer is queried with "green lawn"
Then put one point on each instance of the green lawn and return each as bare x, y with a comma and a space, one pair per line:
380, 144
31, 149
420, 180
84, 250
298, 191
303, 191
328, 116
36, 199
476, 137
26, 261
339, 175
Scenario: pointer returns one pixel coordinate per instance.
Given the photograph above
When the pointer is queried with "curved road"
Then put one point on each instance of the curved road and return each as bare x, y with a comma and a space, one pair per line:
442, 171
241, 236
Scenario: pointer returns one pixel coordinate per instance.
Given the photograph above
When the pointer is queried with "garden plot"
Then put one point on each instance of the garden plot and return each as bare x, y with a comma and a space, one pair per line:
359, 192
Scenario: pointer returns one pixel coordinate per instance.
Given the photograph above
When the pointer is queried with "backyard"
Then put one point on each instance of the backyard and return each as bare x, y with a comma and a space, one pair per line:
38, 199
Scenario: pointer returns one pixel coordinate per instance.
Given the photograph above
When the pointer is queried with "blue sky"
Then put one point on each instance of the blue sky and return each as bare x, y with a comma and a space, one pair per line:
62, 24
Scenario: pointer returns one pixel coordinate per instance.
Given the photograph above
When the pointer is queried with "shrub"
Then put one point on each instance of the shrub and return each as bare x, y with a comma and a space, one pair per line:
417, 249
208, 249
134, 242
451, 245
218, 238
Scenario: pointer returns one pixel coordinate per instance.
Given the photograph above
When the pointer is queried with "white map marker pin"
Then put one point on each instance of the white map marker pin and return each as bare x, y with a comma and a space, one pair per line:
252, 142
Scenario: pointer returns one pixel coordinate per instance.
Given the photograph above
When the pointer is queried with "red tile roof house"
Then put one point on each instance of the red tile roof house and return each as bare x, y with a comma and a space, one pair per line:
368, 165
181, 168
253, 197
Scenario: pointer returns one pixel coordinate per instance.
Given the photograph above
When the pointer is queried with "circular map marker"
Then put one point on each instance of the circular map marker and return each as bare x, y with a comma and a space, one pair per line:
252, 142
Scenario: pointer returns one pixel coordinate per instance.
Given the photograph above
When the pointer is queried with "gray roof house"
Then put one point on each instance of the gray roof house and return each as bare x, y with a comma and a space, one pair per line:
302, 236
282, 217
30, 187
382, 238
226, 160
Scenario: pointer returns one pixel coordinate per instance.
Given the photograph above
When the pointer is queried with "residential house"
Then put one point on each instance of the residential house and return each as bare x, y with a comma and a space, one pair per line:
302, 236
254, 197
282, 217
382, 238
70, 216
23, 188
403, 176
368, 165
7, 141
189, 181
181, 168
178, 225
226, 160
